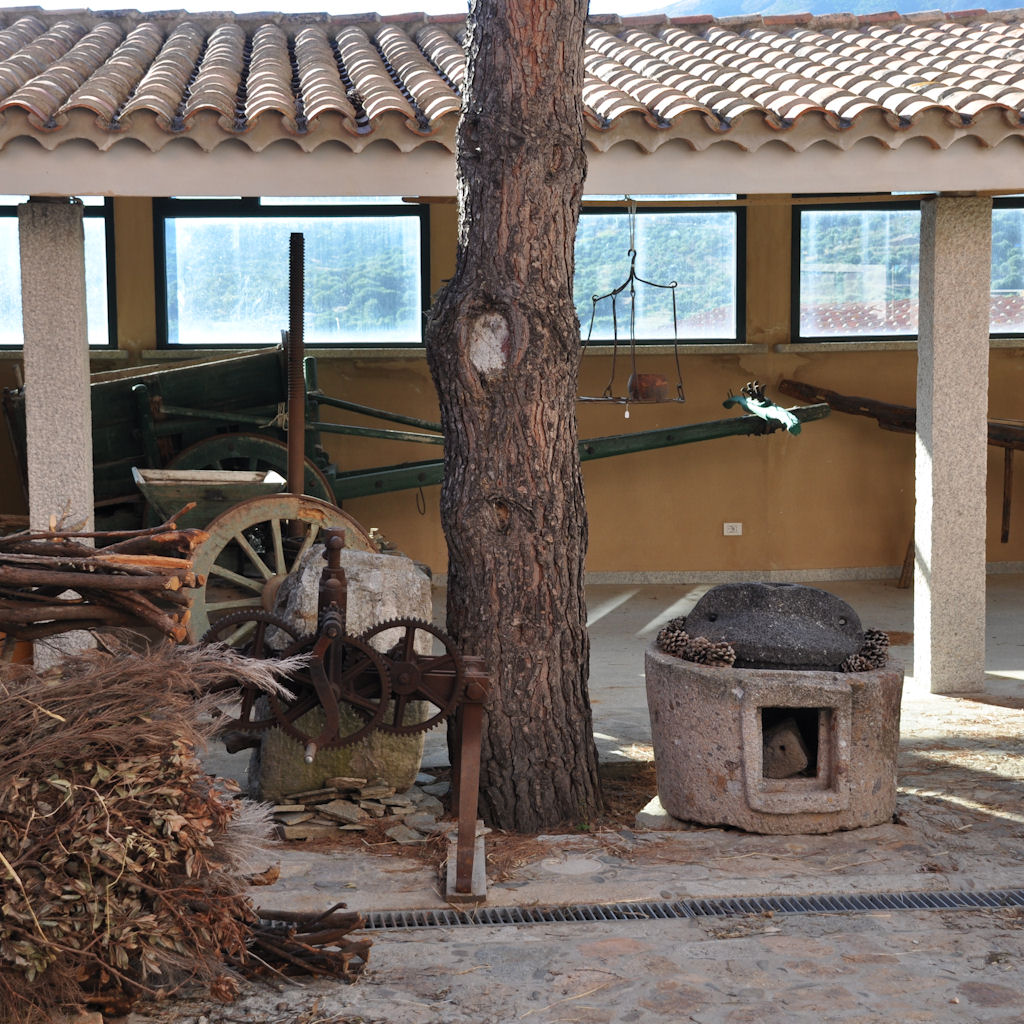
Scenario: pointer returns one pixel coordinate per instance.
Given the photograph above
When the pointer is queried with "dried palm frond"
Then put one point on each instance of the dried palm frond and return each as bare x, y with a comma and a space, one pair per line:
122, 861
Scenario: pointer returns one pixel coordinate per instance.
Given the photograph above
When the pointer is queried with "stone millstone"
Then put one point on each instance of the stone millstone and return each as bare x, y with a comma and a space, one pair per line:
778, 625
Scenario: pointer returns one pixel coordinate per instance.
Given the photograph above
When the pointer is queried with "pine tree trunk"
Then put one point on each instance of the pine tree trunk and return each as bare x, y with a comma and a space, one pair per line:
503, 347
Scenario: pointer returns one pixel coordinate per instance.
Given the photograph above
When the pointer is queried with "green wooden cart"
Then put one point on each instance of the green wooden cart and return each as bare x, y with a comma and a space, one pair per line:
229, 415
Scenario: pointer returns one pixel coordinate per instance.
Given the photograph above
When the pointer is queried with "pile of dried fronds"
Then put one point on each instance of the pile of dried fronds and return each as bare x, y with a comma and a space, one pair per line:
122, 861
137, 579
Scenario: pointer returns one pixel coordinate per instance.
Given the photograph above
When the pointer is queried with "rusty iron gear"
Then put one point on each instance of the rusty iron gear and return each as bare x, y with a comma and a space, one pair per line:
439, 680
343, 670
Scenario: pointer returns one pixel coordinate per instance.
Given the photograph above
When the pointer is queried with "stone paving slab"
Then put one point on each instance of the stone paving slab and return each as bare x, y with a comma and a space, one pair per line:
932, 966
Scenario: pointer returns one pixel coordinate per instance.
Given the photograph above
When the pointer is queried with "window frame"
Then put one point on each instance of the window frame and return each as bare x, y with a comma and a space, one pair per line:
104, 210
249, 207
797, 211
1015, 202
737, 208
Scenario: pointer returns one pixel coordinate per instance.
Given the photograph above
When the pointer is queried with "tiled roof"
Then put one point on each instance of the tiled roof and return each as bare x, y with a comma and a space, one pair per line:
311, 79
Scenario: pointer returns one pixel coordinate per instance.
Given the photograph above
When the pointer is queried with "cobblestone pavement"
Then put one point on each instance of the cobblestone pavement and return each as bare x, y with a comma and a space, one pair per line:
959, 826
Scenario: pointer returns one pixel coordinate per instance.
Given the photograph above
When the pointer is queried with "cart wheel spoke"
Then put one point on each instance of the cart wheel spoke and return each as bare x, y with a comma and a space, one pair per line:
307, 542
261, 567
233, 604
275, 532
233, 577
243, 632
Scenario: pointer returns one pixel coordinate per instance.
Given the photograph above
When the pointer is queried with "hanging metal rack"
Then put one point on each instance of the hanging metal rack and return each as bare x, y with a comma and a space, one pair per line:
640, 387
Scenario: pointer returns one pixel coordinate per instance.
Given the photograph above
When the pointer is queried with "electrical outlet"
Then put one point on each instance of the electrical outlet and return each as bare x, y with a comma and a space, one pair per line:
732, 529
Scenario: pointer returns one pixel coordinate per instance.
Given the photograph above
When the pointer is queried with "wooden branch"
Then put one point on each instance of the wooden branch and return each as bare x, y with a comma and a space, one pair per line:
86, 563
163, 563
169, 524
61, 612
148, 614
183, 541
139, 585
91, 580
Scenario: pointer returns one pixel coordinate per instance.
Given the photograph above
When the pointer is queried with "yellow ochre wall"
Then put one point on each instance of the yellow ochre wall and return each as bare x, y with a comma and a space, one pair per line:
839, 496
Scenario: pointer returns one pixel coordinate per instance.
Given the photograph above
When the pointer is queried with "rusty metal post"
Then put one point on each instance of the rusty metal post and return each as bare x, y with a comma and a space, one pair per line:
333, 582
469, 875
296, 379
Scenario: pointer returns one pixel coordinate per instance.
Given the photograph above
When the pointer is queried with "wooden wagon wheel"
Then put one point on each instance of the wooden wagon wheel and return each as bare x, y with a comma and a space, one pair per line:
251, 551
254, 452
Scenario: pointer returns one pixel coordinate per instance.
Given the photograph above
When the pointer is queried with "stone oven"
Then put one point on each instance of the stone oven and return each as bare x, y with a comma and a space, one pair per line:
773, 711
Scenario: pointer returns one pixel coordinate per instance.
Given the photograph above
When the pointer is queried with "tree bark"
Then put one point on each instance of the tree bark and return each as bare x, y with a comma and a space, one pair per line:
503, 348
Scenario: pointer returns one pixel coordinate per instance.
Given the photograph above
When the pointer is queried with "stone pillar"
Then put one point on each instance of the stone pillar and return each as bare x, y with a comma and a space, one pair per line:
952, 429
57, 406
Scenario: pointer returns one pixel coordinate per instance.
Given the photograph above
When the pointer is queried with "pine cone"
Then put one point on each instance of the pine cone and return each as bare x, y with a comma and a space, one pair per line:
873, 653
720, 655
673, 639
698, 650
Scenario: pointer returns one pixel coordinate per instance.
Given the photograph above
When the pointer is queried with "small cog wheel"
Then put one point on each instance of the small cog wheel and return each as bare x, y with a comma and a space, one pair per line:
439, 680
342, 670
249, 632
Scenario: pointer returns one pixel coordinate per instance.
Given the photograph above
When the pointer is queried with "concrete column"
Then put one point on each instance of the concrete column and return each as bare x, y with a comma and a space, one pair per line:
952, 425
57, 407
58, 422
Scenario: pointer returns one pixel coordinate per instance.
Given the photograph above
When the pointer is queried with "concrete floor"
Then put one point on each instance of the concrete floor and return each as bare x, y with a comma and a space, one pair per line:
960, 827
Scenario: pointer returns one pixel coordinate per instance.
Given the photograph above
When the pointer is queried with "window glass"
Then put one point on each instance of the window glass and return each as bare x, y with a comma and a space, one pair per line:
858, 272
226, 278
95, 229
1007, 303
695, 248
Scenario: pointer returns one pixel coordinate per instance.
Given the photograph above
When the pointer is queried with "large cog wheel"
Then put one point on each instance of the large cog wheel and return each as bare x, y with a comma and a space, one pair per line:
439, 680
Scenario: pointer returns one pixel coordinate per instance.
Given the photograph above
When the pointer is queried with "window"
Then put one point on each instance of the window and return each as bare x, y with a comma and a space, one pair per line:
222, 270
696, 247
1007, 294
857, 271
98, 228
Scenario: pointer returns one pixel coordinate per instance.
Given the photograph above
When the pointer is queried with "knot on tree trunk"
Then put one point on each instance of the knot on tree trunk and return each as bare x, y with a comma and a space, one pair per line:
504, 510
489, 343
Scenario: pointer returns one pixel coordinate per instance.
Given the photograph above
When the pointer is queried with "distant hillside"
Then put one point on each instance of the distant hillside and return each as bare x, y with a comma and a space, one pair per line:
730, 8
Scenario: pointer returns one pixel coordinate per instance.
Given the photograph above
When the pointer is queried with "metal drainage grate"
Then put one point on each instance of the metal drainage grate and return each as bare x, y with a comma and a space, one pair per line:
385, 920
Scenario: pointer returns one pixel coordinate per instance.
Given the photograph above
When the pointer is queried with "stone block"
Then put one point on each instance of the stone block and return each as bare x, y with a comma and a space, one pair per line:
307, 830
405, 836
784, 752
342, 810
380, 587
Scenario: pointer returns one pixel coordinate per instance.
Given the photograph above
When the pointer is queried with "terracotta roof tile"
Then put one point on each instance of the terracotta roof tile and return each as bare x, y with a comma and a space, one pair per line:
795, 79
424, 87
269, 81
162, 89
320, 84
20, 34
105, 92
43, 93
372, 85
445, 54
219, 73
